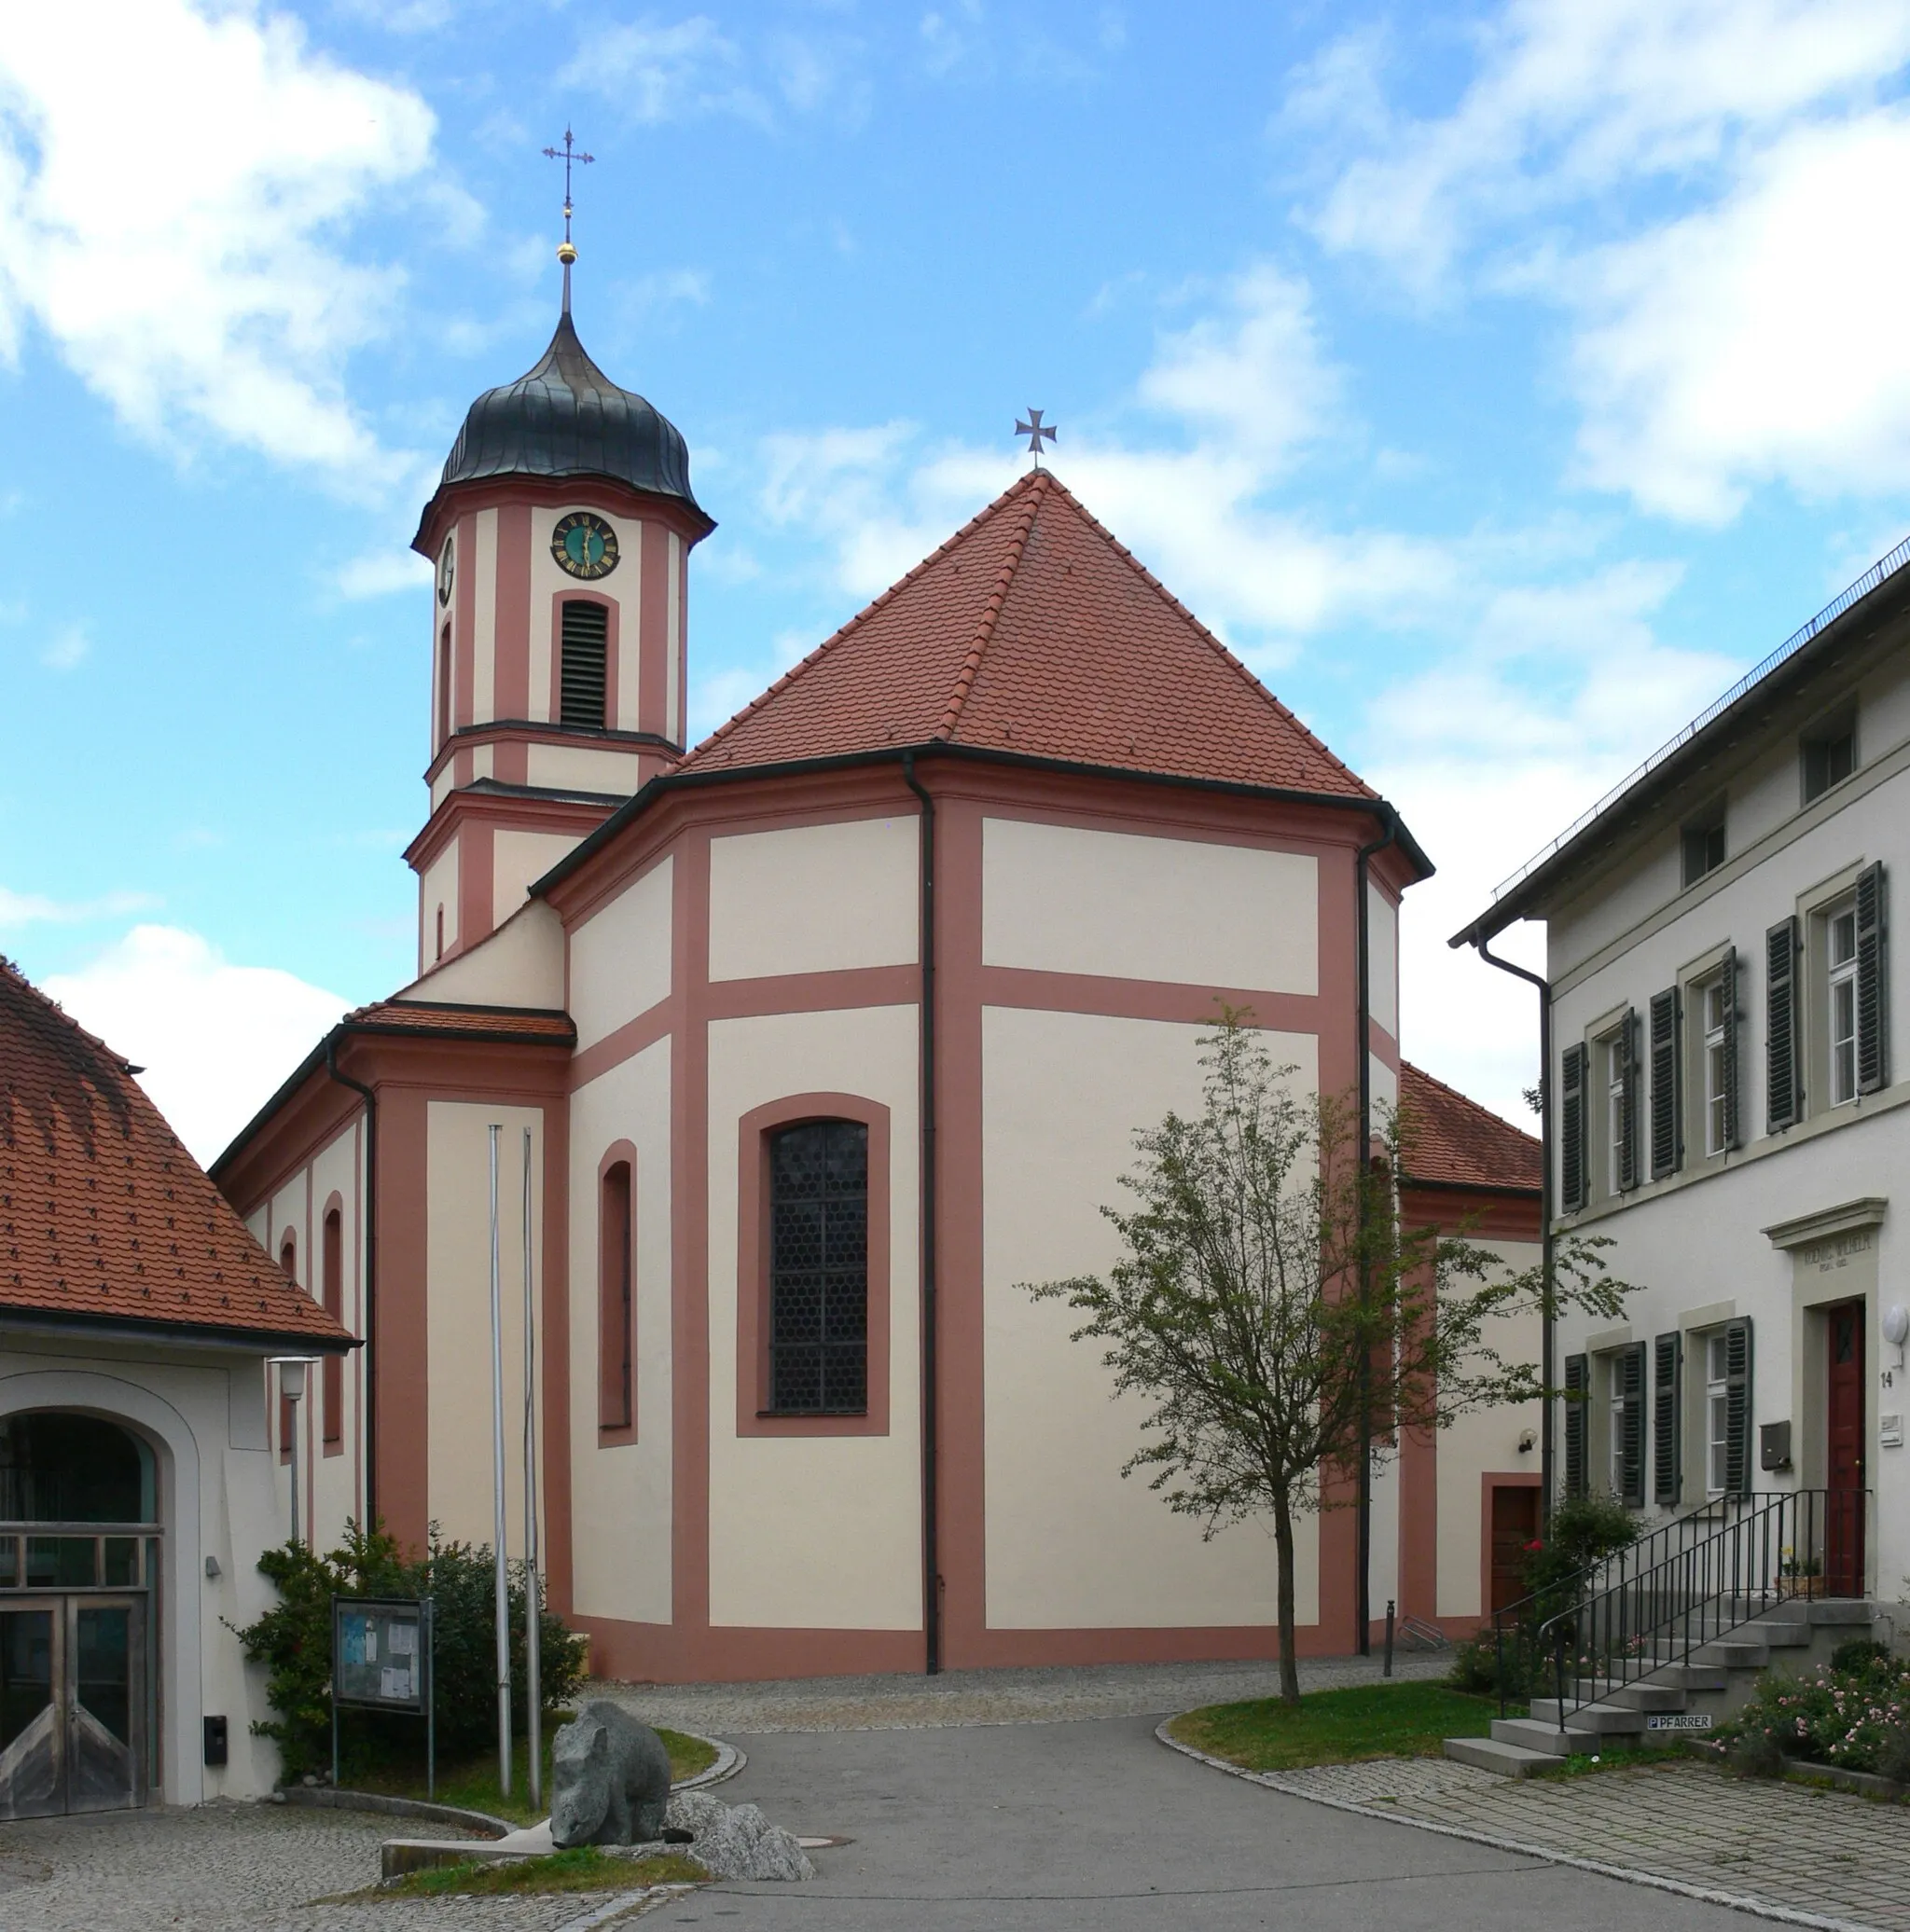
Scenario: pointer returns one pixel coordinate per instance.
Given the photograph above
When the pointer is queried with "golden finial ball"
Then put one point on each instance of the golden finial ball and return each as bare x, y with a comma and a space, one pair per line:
566, 253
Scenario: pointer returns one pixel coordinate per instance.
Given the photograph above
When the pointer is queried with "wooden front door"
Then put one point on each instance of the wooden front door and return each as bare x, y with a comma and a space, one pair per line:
1515, 1524
1843, 1409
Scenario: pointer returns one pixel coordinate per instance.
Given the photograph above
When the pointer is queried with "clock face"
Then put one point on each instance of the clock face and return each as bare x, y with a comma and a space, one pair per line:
584, 545
447, 568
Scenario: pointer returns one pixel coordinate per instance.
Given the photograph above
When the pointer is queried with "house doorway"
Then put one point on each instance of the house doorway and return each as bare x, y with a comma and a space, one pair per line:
79, 1554
1515, 1524
1844, 1411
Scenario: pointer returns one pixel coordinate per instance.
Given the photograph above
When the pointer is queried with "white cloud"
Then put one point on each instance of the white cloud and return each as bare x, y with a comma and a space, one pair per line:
67, 648
172, 212
216, 1040
718, 696
661, 72
1758, 339
380, 573
1573, 97
36, 910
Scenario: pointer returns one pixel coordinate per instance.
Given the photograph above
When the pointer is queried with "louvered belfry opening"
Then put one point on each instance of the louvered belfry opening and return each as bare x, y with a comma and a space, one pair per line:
818, 1296
586, 653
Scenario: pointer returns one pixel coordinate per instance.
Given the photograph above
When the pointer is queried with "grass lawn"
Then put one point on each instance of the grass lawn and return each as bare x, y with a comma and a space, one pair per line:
472, 1782
1337, 1727
584, 1870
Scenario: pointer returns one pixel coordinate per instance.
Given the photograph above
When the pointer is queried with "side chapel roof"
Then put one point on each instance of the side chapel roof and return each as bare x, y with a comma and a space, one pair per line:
104, 1217
1452, 1142
1032, 631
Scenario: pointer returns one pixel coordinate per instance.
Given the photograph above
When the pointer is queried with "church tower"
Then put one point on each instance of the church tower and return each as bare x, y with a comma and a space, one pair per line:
560, 533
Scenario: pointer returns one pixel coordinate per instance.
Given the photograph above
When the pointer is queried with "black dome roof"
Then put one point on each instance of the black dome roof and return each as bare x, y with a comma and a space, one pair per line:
566, 417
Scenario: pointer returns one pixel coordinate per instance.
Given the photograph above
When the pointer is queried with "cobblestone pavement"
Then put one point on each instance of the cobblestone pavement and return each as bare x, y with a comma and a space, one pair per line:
1073, 1693
1829, 1856
231, 1868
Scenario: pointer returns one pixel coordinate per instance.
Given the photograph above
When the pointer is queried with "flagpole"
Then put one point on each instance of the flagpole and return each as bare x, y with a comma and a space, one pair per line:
533, 1596
499, 1554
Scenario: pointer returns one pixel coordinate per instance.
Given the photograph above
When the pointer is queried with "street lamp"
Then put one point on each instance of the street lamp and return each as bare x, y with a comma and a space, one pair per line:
292, 1390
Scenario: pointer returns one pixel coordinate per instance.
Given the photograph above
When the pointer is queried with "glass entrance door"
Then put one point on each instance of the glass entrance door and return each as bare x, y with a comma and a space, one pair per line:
72, 1704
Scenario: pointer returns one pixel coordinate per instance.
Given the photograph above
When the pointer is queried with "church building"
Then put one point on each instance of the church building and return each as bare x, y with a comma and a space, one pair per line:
825, 1036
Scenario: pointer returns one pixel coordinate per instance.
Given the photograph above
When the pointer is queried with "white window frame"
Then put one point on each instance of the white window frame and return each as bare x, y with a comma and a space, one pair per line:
1713, 1048
1840, 1004
1612, 1054
1717, 1412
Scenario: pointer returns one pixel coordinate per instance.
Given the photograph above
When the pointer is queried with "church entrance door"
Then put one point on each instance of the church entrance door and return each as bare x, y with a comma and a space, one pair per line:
72, 1704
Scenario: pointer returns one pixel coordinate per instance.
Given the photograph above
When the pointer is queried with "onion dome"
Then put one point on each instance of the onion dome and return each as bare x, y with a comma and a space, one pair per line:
566, 417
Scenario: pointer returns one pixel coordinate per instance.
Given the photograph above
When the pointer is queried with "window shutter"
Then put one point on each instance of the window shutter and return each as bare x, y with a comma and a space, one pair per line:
1627, 1103
1576, 1379
1631, 1422
1738, 1456
1667, 1417
1782, 1100
1873, 1030
1734, 1114
1572, 1128
1668, 1143
584, 666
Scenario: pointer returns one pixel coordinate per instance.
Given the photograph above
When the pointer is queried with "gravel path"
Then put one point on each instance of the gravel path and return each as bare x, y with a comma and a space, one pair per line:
229, 1868
1061, 1695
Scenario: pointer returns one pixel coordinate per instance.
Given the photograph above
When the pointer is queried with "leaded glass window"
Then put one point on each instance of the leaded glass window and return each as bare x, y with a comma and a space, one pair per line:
819, 1277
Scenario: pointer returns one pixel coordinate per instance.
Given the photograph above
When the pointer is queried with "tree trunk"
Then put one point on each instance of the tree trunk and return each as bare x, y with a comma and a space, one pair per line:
1283, 1552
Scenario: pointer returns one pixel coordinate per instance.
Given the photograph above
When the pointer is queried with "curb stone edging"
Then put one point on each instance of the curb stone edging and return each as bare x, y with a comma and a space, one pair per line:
729, 1760
1758, 1908
327, 1798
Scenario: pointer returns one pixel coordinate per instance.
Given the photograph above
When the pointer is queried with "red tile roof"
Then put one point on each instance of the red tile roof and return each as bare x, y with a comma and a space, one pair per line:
1454, 1141
496, 1023
1032, 631
104, 1215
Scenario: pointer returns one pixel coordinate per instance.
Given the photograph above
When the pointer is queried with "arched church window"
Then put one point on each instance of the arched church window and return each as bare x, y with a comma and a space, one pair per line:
585, 665
819, 1295
288, 1410
332, 1275
444, 684
615, 1324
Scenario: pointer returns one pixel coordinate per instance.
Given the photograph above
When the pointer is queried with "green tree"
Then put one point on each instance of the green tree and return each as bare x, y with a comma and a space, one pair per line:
1268, 1303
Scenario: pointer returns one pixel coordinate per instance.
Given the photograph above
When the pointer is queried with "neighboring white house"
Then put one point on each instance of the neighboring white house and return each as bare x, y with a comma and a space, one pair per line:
1725, 1102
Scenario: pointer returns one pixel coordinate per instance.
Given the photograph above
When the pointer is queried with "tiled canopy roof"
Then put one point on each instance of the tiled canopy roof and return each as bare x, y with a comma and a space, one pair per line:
104, 1215
1454, 1141
495, 1022
1032, 631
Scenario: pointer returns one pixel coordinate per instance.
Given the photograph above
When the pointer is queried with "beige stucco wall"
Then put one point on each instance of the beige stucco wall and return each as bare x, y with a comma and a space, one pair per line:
482, 564
621, 1495
1486, 1439
438, 884
1382, 959
581, 767
620, 956
520, 964
675, 643
817, 1532
1070, 1543
457, 1306
814, 898
1112, 903
518, 857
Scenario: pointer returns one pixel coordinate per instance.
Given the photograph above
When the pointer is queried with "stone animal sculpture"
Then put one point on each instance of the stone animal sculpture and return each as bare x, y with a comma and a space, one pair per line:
609, 1779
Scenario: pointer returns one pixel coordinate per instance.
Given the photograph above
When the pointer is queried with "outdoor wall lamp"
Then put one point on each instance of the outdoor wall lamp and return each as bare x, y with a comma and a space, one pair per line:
1528, 1441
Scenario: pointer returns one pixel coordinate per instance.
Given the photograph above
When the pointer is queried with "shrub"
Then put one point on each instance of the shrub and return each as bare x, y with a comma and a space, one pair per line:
293, 1639
1859, 1654
1586, 1529
1859, 1719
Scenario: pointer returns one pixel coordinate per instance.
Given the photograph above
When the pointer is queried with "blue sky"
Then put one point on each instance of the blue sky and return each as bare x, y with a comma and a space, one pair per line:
1500, 381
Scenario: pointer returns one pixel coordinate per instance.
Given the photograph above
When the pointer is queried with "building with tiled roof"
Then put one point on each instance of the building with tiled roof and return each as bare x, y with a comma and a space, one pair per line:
806, 1046
139, 1484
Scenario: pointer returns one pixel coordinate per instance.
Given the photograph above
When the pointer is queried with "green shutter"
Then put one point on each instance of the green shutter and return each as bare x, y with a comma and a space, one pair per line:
1781, 1096
1738, 1460
1873, 1030
1577, 1415
1667, 1417
1734, 1114
1572, 1128
1628, 1176
1629, 1367
1667, 1142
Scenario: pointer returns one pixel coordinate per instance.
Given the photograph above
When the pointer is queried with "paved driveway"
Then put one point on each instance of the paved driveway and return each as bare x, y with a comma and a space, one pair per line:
1094, 1825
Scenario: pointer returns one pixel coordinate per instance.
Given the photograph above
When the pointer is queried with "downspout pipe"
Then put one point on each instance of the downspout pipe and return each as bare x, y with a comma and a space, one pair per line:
368, 1422
1476, 938
930, 1424
1362, 1578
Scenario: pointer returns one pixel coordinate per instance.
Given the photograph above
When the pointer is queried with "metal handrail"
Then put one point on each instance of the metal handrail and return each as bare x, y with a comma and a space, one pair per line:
1885, 566
1780, 1547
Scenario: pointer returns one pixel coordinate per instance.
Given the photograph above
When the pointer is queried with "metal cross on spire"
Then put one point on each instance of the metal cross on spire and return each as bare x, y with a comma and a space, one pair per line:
569, 154
1037, 431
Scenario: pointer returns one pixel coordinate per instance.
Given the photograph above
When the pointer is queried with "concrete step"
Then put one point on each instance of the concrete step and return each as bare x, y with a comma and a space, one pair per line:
1692, 1677
1738, 1653
1780, 1633
1607, 1720
1838, 1609
1534, 1735
1652, 1695
1508, 1760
